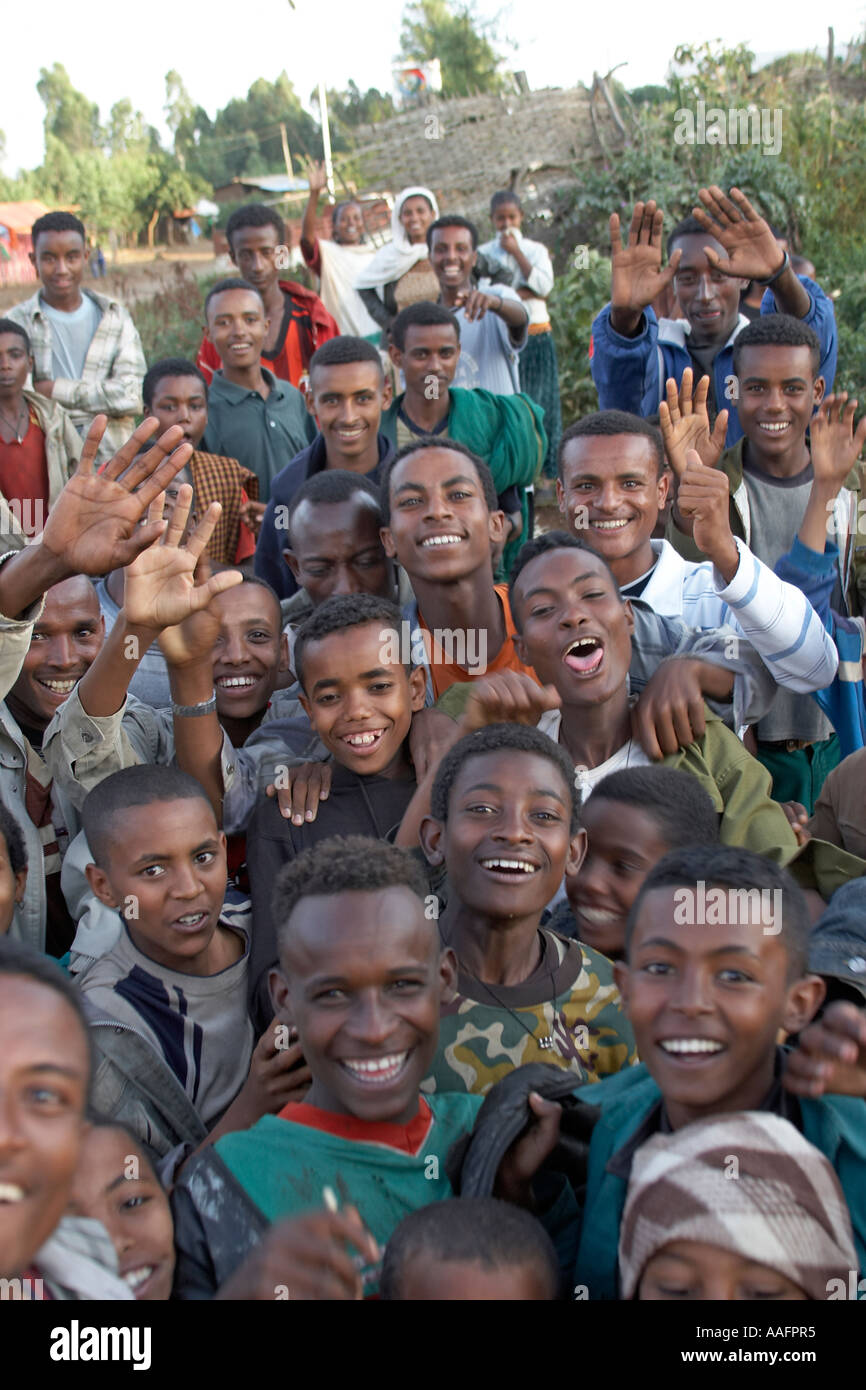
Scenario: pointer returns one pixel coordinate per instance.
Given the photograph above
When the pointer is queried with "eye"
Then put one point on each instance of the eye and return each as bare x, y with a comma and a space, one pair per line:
481, 809
132, 1202
152, 871
459, 495
380, 687
735, 977
624, 868
205, 856
406, 502
541, 612
670, 1292
330, 996
657, 967
547, 816
258, 635
44, 1096
405, 986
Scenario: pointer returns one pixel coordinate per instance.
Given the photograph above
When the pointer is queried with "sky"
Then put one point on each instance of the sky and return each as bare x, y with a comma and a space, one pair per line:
123, 50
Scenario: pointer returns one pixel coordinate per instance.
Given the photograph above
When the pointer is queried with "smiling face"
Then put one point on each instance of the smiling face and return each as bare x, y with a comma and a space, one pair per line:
59, 261
453, 257
254, 252
168, 860
362, 978
416, 214
236, 325
778, 392
709, 300
575, 629
361, 705
431, 353
611, 494
506, 217
347, 401
440, 528
349, 225
706, 1003
14, 364
507, 841
181, 400
116, 1185
623, 844
66, 641
44, 1076
695, 1271
337, 549
250, 650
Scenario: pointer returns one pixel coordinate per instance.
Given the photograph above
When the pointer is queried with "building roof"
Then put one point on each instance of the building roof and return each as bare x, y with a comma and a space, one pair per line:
19, 217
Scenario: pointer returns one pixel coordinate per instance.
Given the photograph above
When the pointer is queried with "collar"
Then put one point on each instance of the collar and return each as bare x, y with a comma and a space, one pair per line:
677, 331
101, 300
408, 1137
235, 394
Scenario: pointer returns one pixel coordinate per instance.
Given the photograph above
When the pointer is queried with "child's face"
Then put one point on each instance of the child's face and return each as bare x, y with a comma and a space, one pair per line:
14, 362
181, 400
610, 493
709, 300
623, 844
166, 872
360, 703
695, 1270
362, 978
66, 641
349, 226
440, 528
236, 325
11, 887
254, 252
116, 1185
465, 1281
250, 650
706, 1003
44, 1077
507, 217
337, 549
507, 841
347, 401
778, 392
59, 261
429, 359
576, 630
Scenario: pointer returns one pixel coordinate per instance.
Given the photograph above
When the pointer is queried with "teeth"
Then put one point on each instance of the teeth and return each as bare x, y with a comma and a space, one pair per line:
363, 740
597, 916
583, 642
441, 540
59, 687
691, 1045
518, 864
376, 1069
611, 525
229, 682
191, 917
136, 1277
775, 429
10, 1193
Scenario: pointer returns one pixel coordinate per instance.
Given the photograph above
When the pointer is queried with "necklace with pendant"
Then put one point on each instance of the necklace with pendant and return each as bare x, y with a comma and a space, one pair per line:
547, 1042
13, 424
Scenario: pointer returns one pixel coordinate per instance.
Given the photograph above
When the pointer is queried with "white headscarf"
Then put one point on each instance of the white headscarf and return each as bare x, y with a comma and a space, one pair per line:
398, 255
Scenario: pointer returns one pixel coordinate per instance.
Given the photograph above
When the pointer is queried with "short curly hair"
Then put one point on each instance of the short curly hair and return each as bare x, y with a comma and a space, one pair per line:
417, 446
498, 738
543, 545
344, 864
338, 613
777, 330
255, 215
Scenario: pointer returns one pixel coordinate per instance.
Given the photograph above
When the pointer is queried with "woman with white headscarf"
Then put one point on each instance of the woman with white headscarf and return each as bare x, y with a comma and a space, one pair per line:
339, 262
400, 273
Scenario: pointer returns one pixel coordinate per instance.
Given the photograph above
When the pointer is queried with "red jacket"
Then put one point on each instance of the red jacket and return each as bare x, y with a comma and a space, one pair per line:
310, 326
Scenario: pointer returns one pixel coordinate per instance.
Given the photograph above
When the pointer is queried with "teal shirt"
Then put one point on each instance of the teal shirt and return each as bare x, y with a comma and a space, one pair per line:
263, 435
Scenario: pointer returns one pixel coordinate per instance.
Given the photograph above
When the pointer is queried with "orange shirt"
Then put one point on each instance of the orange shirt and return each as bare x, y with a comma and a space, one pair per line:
446, 673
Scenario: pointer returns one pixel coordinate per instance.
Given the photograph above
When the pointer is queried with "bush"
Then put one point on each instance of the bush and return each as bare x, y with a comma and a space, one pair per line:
170, 321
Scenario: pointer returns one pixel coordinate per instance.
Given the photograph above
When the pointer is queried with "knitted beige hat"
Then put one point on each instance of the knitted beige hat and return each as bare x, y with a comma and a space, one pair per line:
779, 1204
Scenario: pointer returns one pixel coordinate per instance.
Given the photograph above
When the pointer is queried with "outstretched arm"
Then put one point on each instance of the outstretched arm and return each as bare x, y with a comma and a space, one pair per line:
753, 251
636, 268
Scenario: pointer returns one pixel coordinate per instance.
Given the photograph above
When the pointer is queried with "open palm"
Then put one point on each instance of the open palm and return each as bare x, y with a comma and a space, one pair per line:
753, 251
160, 588
685, 423
637, 276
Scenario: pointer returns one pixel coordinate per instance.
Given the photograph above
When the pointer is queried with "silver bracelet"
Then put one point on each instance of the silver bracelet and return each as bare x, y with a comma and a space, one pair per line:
195, 711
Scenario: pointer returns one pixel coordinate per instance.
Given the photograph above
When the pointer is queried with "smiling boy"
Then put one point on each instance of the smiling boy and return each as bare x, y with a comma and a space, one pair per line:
253, 417
707, 1001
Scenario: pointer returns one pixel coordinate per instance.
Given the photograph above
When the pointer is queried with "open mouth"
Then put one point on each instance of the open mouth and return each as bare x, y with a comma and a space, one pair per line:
432, 542
778, 427
691, 1049
364, 741
191, 922
510, 868
10, 1194
237, 683
584, 656
57, 687
137, 1279
376, 1071
611, 527
599, 917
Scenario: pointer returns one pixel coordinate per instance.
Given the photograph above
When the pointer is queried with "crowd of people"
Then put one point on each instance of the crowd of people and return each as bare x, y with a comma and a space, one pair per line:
398, 898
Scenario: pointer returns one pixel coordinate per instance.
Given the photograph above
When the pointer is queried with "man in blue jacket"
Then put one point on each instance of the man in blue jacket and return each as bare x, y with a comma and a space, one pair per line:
711, 256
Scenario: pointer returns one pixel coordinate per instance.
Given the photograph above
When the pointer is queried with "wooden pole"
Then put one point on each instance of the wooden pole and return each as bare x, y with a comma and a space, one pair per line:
287, 156
326, 140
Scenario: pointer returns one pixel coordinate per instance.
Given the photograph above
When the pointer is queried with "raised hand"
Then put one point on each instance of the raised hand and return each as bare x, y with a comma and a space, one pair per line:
685, 423
510, 697
636, 268
93, 526
753, 251
307, 1257
835, 445
830, 1054
160, 588
317, 176
703, 498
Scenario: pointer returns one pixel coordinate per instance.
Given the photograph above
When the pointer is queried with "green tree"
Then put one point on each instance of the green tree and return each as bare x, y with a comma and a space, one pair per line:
245, 135
69, 116
455, 35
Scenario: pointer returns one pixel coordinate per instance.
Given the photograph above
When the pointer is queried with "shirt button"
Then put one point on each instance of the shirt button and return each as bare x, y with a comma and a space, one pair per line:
86, 737
273, 424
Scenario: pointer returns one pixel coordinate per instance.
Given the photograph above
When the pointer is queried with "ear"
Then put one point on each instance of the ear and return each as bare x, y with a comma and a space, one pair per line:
622, 980
278, 987
447, 975
805, 997
431, 834
311, 404
388, 542
207, 332
20, 885
496, 527
291, 561
819, 390
387, 393
418, 688
520, 647
100, 886
31, 256
232, 254
396, 356
560, 496
629, 616
305, 705
663, 488
576, 851
283, 662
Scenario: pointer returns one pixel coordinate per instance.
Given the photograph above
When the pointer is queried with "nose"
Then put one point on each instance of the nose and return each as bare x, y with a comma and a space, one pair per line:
371, 1019
186, 882
608, 496
691, 996
233, 648
706, 288
346, 581
61, 652
357, 703
512, 827
437, 505
592, 880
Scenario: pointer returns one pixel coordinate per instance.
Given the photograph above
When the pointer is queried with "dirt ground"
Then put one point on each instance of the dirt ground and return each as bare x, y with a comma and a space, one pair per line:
135, 277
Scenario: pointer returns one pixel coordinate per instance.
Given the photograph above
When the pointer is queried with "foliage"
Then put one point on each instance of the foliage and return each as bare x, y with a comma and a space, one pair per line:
454, 34
579, 293
170, 321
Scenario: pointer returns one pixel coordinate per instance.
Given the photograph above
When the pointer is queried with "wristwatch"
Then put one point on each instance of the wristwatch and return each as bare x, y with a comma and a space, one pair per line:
195, 711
